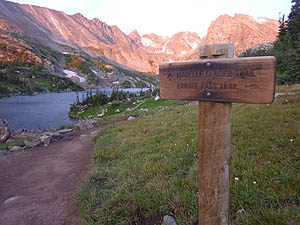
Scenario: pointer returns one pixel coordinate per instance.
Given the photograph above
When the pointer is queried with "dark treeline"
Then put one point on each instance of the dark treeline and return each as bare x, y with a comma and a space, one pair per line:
286, 48
100, 98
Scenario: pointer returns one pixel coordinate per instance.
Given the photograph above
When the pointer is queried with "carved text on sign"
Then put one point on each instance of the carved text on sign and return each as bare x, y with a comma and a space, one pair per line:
207, 86
245, 73
249, 80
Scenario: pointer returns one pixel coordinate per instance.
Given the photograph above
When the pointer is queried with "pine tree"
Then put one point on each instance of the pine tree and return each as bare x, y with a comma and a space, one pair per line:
294, 23
287, 47
293, 29
281, 51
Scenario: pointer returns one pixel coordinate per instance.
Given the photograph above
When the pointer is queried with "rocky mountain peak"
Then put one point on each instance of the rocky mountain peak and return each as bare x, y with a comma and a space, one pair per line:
98, 22
78, 16
135, 36
242, 30
143, 53
182, 43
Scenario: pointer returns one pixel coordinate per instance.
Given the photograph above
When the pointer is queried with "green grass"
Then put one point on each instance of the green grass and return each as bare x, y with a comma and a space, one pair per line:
139, 164
111, 110
151, 104
265, 150
15, 142
146, 168
288, 88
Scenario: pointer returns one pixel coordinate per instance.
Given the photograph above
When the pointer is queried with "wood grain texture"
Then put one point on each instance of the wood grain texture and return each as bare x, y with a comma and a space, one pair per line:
248, 80
214, 149
217, 50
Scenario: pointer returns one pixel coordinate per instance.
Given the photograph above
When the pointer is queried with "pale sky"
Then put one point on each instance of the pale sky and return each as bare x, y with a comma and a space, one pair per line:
165, 17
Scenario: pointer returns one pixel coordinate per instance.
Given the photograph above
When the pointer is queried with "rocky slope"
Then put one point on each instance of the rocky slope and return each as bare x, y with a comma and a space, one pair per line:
143, 53
242, 30
27, 66
38, 51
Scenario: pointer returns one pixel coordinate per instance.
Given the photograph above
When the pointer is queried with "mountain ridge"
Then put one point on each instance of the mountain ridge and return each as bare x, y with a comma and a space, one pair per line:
143, 53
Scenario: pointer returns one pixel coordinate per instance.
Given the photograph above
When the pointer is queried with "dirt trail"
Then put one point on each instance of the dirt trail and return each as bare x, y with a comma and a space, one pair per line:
37, 187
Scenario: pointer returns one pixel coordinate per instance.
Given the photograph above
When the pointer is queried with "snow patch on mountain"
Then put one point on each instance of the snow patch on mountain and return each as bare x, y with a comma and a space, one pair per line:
170, 52
71, 74
164, 48
259, 19
57, 27
193, 45
147, 42
182, 53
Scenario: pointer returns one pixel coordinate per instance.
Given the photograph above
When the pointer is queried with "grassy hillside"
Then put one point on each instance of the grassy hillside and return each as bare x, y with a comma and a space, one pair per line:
147, 168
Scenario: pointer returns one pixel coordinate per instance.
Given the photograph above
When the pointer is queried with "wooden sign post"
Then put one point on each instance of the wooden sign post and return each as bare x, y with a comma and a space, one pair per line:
217, 80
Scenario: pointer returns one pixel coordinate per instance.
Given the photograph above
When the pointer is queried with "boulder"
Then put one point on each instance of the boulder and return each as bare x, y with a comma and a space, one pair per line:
18, 131
32, 144
131, 118
83, 126
45, 140
14, 199
169, 220
15, 148
55, 135
100, 114
144, 110
64, 131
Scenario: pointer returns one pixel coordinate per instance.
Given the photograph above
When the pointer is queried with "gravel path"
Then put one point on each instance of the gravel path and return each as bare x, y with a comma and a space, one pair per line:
37, 187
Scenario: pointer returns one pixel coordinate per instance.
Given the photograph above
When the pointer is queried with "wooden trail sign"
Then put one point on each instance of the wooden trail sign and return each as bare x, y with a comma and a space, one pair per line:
249, 80
215, 83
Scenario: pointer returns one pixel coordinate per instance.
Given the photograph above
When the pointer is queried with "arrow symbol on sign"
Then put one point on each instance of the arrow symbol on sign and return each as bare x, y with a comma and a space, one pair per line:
251, 86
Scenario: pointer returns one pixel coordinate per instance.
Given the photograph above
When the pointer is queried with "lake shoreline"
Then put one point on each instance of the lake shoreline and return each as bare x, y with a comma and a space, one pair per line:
44, 111
22, 139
